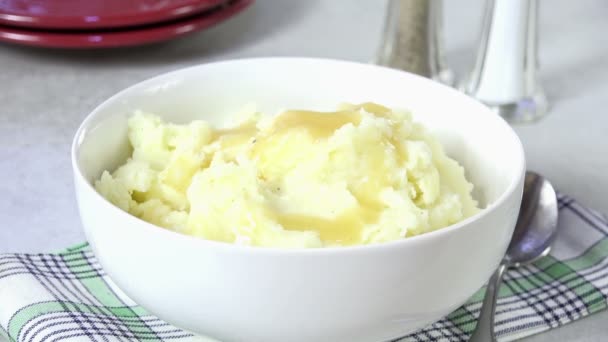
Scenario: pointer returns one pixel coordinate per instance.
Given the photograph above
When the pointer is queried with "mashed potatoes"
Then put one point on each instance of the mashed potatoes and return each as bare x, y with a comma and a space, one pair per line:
364, 174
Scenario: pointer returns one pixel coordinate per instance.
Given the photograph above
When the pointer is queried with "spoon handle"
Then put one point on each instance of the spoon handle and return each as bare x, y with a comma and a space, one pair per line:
484, 331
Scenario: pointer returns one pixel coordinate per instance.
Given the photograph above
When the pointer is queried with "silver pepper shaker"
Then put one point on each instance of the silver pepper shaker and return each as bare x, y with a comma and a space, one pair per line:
505, 75
413, 40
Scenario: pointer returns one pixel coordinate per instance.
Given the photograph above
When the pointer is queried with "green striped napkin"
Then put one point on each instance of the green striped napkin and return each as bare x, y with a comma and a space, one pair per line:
68, 297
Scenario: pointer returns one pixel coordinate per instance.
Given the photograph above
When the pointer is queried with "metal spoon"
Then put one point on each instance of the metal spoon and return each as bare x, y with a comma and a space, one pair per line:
532, 238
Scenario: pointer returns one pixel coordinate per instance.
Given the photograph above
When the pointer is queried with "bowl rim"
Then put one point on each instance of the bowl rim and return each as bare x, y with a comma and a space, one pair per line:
84, 127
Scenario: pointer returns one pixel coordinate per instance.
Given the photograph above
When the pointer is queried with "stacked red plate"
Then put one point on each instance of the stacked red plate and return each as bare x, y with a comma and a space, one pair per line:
108, 23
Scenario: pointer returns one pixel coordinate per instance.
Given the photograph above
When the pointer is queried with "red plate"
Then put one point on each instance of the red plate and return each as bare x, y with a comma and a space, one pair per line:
116, 38
96, 14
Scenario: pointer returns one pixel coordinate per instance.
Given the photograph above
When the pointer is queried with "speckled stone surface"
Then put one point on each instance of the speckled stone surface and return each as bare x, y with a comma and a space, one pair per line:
44, 94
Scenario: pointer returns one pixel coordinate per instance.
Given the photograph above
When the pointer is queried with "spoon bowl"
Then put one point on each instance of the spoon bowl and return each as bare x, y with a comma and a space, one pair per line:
536, 224
532, 238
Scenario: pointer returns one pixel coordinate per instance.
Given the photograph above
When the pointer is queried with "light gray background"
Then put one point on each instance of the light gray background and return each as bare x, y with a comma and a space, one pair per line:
44, 94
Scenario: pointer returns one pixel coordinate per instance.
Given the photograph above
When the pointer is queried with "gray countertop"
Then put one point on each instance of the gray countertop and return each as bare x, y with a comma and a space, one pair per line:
44, 95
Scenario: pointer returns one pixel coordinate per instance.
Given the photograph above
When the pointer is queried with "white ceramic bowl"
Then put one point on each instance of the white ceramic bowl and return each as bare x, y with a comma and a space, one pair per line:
364, 293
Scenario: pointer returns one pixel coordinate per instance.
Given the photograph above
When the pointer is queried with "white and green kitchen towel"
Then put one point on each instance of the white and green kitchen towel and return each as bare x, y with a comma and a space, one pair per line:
68, 297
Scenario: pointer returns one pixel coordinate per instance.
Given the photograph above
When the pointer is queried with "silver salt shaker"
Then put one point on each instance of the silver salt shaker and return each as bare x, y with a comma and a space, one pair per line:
413, 40
505, 75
